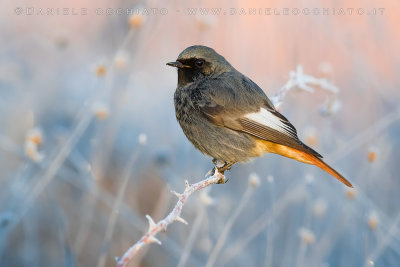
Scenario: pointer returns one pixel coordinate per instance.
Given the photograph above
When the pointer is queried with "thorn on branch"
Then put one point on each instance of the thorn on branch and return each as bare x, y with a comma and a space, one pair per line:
152, 224
174, 215
180, 219
187, 185
153, 239
178, 195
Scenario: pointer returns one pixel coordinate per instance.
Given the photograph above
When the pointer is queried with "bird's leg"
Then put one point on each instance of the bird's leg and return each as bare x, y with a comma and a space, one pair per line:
215, 161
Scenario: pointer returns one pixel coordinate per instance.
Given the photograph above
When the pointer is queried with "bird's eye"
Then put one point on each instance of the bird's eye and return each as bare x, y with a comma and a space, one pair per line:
199, 63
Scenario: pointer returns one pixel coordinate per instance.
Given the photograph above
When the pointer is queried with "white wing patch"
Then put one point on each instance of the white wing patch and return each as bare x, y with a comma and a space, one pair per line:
268, 119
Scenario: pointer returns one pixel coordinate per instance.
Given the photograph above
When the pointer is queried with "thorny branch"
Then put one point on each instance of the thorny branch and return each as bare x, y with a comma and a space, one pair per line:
298, 80
175, 215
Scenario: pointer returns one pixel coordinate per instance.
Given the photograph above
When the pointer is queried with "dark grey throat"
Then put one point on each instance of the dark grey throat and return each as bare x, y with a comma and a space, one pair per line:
188, 75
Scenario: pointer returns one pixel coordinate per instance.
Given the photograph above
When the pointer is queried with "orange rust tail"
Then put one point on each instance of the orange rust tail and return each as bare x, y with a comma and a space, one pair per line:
303, 157
322, 165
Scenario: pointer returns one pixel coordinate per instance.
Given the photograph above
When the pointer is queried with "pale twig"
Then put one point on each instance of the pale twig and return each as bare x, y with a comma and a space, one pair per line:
192, 237
263, 221
86, 223
299, 80
366, 135
270, 229
126, 213
115, 209
59, 159
160, 209
56, 163
175, 215
228, 226
307, 236
383, 243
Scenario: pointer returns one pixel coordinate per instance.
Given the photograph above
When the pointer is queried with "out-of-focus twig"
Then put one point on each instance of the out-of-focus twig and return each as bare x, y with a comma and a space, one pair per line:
366, 135
299, 80
254, 181
161, 207
175, 215
56, 163
263, 221
115, 209
383, 243
192, 236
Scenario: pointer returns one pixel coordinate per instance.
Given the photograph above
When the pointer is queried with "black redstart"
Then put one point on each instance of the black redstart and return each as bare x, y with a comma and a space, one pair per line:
228, 117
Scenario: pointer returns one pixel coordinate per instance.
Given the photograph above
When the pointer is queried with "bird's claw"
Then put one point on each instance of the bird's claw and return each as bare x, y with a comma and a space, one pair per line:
223, 180
220, 174
224, 168
219, 170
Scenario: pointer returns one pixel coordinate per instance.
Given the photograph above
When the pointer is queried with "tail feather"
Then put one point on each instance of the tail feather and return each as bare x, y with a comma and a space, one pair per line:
303, 157
322, 165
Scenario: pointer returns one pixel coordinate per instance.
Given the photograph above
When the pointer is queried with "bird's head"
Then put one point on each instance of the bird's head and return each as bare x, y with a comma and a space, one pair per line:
199, 61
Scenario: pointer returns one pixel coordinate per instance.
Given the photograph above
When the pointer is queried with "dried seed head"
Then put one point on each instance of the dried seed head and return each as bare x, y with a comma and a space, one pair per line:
35, 135
319, 208
307, 236
31, 150
373, 220
254, 180
101, 110
135, 21
205, 22
34, 138
311, 136
142, 138
371, 154
350, 193
121, 61
100, 70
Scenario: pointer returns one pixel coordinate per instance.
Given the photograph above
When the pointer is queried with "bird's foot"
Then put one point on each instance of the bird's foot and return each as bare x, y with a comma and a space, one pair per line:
226, 167
220, 175
219, 170
214, 172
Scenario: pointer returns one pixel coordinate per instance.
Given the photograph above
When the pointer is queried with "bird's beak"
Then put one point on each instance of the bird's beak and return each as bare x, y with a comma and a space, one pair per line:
177, 64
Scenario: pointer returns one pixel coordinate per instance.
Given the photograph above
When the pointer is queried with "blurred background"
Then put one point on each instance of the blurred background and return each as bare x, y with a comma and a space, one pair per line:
89, 142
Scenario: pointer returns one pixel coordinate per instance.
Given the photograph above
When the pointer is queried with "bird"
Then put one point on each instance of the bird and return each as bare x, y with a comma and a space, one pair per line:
228, 117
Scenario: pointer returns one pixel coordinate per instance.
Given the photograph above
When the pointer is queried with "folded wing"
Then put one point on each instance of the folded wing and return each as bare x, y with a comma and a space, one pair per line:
251, 112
